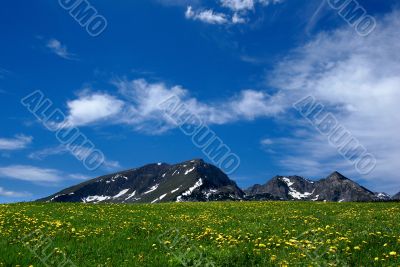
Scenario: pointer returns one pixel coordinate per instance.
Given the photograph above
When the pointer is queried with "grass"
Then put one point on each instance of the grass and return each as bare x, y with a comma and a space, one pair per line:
197, 234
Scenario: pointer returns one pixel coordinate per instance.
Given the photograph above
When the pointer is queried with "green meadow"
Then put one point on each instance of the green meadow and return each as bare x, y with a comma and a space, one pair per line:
201, 234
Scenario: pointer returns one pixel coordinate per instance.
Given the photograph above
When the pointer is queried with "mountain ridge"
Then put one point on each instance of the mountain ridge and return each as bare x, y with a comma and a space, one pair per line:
192, 180
196, 180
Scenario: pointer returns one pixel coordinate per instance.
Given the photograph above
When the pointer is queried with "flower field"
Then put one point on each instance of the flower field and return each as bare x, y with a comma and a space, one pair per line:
201, 234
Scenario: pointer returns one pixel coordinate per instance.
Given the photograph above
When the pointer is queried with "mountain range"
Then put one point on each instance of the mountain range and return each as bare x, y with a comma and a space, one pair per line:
335, 188
196, 180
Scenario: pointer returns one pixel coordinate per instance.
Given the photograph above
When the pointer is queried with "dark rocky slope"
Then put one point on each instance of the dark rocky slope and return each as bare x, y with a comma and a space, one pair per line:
193, 180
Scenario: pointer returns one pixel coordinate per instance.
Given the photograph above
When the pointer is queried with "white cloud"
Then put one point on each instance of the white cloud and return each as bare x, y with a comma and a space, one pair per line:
6, 193
30, 173
251, 104
207, 16
358, 77
237, 11
51, 151
145, 113
141, 108
245, 5
88, 109
237, 19
238, 5
19, 142
59, 49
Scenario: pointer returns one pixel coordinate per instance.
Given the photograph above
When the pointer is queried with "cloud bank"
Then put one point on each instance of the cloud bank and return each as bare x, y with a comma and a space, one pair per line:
30, 173
358, 79
43, 176
139, 105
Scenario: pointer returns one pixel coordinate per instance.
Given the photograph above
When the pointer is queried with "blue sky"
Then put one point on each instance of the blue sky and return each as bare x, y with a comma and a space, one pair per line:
239, 64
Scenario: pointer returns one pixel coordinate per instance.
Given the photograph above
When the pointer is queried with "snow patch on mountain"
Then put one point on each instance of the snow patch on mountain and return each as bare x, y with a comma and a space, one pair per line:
189, 171
294, 193
57, 196
383, 196
190, 190
123, 192
298, 195
287, 181
113, 179
153, 188
131, 195
158, 199
173, 191
210, 192
95, 199
316, 198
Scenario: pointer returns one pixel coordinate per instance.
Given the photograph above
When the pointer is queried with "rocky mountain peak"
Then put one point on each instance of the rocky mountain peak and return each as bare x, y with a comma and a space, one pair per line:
337, 176
192, 180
